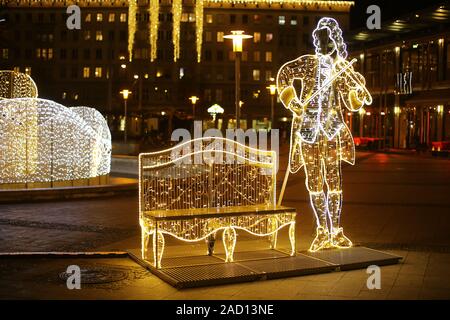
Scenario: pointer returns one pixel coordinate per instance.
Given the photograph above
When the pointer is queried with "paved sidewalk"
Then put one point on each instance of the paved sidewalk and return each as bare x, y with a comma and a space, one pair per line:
396, 203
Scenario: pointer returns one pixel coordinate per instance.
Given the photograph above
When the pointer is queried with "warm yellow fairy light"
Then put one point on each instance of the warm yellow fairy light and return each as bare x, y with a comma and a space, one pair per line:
132, 8
176, 21
320, 139
195, 176
154, 21
199, 27
16, 85
43, 141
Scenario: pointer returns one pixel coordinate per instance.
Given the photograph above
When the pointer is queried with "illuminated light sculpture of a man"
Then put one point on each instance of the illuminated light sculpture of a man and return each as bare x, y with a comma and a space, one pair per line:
320, 139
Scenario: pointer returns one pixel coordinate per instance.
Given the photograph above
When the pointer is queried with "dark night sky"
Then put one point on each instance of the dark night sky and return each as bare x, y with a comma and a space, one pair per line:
389, 9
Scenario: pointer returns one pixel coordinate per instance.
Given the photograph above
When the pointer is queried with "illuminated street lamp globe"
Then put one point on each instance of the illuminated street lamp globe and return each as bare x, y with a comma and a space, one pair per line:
214, 110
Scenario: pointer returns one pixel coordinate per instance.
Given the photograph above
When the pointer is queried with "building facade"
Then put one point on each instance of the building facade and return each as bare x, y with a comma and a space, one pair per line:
90, 66
406, 65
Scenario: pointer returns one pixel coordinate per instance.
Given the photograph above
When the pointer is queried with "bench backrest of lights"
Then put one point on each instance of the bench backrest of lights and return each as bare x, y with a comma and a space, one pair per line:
206, 173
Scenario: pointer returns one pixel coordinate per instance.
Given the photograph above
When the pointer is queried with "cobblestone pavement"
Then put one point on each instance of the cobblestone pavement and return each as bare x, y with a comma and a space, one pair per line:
74, 225
397, 203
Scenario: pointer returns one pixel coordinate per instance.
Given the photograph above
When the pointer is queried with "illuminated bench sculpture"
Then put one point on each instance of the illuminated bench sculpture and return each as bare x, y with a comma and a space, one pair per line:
45, 144
206, 185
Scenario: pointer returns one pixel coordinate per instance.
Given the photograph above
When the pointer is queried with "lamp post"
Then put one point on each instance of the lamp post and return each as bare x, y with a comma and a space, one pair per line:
214, 110
194, 100
237, 37
125, 93
273, 91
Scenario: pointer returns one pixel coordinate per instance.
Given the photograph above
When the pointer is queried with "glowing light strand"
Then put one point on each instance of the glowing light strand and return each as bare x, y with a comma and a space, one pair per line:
176, 14
199, 27
320, 139
153, 25
132, 9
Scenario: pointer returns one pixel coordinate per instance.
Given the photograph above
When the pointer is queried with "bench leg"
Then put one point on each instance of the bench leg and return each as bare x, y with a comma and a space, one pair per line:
144, 243
210, 243
292, 239
158, 248
274, 236
229, 242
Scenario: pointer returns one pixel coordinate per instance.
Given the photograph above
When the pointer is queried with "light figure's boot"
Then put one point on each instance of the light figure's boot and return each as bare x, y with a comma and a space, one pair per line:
338, 239
322, 239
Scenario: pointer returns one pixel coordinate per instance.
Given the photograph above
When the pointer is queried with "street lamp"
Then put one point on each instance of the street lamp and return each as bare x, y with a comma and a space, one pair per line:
214, 110
125, 93
194, 100
273, 91
237, 37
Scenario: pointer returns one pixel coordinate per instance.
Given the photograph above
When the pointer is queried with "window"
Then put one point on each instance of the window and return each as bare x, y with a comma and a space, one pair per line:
268, 56
209, 18
220, 36
28, 71
256, 18
244, 19
98, 72
219, 95
87, 54
231, 55
256, 37
244, 55
305, 21
232, 18
99, 35
74, 54
88, 18
86, 72
256, 74
208, 95
63, 54
99, 17
269, 37
98, 54
208, 55
191, 17
5, 53
219, 55
293, 21
269, 75
184, 17
111, 17
123, 17
256, 56
50, 53
281, 20
16, 69
87, 35
208, 36
305, 39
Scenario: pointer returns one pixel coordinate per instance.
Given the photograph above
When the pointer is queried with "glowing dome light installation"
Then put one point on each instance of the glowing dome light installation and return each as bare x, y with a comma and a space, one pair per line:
43, 141
16, 85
